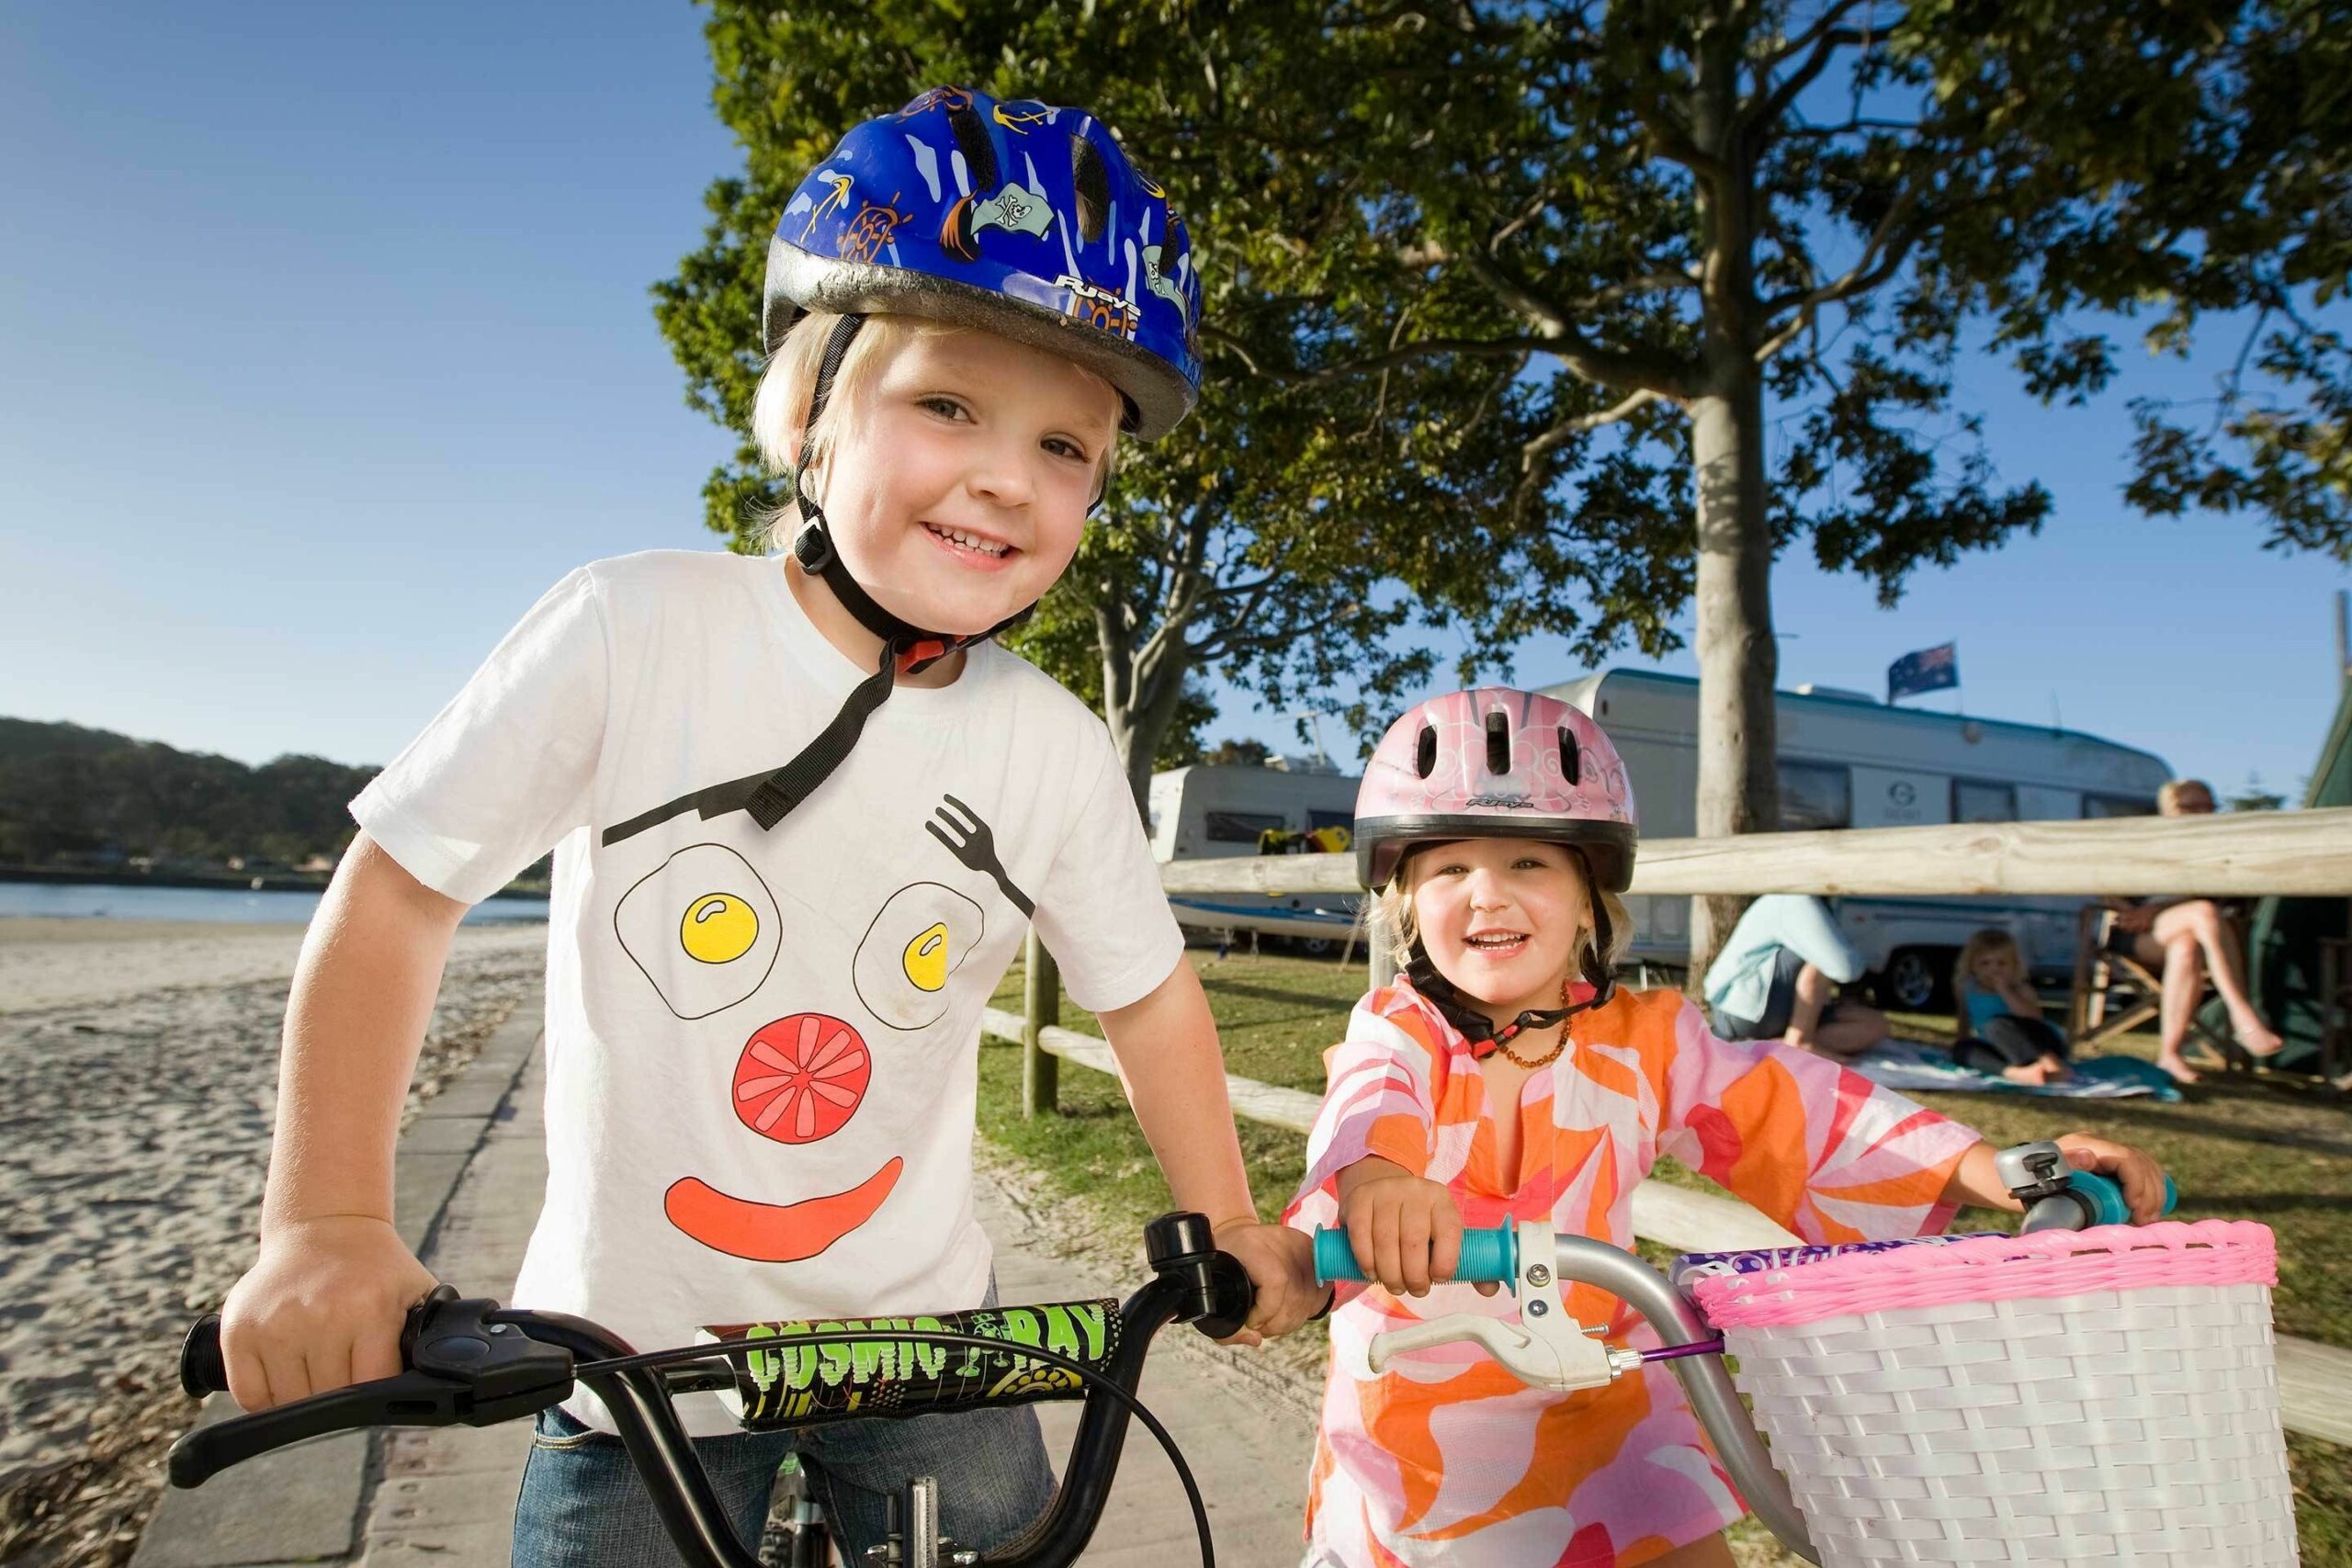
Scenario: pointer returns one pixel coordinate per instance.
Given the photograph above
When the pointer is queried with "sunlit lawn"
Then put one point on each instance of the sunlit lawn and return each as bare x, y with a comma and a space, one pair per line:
2238, 1149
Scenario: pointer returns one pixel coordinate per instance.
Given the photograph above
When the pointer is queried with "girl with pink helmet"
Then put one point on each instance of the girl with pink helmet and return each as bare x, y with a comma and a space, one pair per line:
1505, 1075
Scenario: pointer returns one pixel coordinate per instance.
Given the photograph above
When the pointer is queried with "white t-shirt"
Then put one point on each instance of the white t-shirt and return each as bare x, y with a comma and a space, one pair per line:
762, 1047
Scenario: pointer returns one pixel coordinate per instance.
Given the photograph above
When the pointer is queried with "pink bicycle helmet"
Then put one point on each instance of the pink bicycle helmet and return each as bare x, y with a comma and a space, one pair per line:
1496, 762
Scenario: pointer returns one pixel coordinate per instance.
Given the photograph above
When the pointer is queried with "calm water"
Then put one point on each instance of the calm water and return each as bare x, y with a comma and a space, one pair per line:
93, 900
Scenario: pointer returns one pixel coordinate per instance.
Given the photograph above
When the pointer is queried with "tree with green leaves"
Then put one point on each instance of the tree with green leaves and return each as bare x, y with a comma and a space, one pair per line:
1570, 318
1730, 252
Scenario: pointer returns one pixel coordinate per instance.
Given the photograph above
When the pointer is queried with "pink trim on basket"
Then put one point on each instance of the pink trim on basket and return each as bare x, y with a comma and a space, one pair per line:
1994, 1268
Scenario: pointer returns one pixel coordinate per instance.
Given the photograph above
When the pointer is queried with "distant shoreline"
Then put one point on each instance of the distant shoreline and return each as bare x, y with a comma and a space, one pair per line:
229, 881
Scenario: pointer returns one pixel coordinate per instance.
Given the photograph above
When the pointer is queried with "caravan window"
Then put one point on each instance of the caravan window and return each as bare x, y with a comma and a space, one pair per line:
1318, 818
1973, 802
1816, 795
1240, 827
2096, 806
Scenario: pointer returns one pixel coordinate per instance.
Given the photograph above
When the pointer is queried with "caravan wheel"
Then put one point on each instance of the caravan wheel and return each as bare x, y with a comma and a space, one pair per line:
1915, 979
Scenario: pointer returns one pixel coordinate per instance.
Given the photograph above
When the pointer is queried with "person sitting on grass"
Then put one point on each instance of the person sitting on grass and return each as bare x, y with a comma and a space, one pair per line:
1777, 979
2001, 1027
2183, 941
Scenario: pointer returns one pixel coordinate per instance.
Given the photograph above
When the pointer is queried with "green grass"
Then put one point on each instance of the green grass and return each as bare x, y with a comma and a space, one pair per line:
2258, 1149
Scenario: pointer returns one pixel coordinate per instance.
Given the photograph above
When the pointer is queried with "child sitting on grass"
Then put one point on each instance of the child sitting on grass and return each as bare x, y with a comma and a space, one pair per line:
2001, 1027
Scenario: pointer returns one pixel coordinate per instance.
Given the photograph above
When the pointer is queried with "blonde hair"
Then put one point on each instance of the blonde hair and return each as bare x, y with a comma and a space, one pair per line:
1989, 940
780, 407
1394, 906
2168, 795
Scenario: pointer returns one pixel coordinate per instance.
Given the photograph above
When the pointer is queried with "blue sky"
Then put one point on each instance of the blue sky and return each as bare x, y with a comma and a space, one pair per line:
329, 348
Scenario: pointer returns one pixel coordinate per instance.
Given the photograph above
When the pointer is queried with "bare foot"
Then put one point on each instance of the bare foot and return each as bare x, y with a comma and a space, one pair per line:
2256, 1038
2033, 1074
2181, 1071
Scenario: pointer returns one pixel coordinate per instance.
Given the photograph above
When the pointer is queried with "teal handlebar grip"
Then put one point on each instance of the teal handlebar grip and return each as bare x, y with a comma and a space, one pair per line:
2102, 1197
1486, 1255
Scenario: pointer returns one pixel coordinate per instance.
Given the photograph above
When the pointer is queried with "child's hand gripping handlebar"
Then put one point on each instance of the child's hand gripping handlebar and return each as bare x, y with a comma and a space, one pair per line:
1547, 1348
2058, 1197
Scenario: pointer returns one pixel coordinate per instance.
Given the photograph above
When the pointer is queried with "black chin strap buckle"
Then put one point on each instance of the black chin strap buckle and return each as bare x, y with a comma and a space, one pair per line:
813, 548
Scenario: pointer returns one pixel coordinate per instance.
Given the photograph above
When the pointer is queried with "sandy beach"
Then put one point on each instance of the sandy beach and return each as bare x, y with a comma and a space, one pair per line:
138, 1072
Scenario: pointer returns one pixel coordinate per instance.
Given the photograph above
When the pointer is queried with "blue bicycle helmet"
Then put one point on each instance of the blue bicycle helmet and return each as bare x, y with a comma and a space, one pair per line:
1014, 217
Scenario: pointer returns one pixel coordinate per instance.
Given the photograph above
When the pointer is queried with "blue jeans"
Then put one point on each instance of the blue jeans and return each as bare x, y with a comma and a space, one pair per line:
583, 1503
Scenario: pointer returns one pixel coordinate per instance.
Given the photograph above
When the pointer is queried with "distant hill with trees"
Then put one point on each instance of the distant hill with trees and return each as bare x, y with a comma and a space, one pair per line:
71, 796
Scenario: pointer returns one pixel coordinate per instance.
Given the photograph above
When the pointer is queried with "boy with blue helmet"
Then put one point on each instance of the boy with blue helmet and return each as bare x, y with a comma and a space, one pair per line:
802, 811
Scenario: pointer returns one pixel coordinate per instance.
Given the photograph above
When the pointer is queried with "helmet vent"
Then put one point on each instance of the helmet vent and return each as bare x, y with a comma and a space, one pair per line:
1498, 743
1571, 760
971, 134
1093, 186
1425, 751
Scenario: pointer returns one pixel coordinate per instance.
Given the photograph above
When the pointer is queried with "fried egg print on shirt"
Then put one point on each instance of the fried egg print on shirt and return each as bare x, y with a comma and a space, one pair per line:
923, 935
702, 928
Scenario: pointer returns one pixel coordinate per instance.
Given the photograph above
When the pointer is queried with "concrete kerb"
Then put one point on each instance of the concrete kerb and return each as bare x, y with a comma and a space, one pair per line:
308, 1504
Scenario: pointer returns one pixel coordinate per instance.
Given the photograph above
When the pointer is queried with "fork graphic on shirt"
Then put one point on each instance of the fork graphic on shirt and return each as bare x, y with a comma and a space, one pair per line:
969, 840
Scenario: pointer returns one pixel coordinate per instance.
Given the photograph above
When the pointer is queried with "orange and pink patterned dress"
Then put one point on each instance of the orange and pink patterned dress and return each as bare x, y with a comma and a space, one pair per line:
1449, 1459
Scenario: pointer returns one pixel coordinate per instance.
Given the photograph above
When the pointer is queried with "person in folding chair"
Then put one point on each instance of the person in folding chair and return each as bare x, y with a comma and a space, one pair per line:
2181, 942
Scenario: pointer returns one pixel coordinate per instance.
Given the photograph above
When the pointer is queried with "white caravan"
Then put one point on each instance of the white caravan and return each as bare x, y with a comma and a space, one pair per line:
1849, 760
1211, 811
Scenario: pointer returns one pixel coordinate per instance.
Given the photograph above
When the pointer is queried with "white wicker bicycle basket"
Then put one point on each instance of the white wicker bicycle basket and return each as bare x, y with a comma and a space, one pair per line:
2104, 1396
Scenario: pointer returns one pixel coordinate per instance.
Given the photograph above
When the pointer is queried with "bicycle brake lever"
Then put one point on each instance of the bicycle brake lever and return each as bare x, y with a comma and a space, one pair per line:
465, 1369
1545, 1349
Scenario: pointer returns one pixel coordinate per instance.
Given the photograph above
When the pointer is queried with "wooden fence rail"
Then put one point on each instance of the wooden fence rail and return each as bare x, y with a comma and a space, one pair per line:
2240, 854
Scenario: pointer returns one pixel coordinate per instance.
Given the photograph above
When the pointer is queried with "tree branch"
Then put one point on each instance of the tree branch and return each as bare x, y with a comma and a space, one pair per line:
1533, 451
1617, 368
1424, 349
1864, 275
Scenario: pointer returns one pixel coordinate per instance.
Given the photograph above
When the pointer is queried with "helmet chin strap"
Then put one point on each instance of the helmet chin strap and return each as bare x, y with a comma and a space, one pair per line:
906, 648
1478, 1029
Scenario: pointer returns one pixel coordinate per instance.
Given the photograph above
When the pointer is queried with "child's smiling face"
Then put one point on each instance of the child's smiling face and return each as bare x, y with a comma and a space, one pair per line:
958, 487
1502, 919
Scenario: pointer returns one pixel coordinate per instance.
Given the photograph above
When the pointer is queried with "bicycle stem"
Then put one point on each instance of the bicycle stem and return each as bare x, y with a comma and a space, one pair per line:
1704, 1379
639, 1401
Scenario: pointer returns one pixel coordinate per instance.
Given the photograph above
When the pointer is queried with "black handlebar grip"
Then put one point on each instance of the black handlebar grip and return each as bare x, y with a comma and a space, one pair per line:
201, 1369
1234, 1294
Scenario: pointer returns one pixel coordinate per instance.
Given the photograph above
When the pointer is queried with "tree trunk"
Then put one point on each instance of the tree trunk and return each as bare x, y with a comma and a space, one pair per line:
1738, 661
1139, 701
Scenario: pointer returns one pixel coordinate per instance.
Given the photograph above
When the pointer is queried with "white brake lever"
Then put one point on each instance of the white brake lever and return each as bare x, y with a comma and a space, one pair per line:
1545, 1349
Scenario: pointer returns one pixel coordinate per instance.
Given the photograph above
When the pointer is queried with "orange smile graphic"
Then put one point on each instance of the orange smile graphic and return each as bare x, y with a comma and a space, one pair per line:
774, 1233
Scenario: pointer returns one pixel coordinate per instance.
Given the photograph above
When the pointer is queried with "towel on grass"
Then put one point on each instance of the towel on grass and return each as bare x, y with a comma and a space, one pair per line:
1909, 1065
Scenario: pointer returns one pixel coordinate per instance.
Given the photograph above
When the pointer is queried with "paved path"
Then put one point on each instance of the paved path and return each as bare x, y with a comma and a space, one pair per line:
447, 1496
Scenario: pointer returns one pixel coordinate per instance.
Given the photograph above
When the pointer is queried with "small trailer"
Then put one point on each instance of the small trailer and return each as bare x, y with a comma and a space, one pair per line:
1214, 810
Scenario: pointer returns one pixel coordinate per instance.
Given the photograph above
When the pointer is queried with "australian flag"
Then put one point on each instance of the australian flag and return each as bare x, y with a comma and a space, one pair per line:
1930, 669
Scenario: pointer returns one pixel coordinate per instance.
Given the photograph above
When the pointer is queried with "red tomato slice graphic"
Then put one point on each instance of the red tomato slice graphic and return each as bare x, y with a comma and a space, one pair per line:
801, 1078
774, 1233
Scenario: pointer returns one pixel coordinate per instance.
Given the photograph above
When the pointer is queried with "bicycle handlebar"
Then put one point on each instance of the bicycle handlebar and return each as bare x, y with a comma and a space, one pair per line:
1486, 1255
471, 1361
2084, 1199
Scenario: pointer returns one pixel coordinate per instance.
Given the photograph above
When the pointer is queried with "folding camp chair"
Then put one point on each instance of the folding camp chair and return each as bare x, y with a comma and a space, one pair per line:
2115, 993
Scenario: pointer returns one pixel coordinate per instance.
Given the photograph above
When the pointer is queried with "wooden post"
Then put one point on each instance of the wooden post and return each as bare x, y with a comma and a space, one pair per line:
1041, 1009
